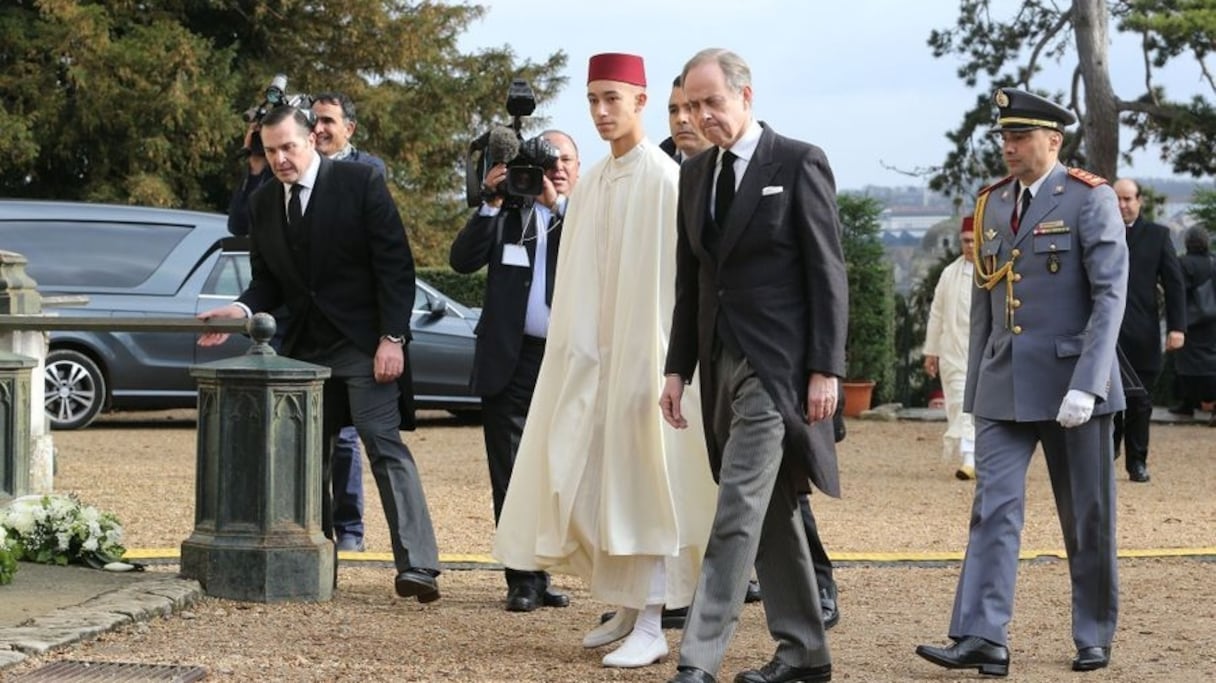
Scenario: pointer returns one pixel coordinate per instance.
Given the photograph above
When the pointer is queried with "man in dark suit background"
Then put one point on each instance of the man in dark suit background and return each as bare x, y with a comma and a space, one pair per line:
685, 141
761, 309
336, 121
1151, 262
521, 261
327, 241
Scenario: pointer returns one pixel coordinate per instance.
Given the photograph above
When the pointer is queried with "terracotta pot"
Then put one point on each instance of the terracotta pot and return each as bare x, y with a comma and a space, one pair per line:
857, 396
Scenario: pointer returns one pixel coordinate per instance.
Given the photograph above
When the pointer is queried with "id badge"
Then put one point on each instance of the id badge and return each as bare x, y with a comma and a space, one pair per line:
515, 255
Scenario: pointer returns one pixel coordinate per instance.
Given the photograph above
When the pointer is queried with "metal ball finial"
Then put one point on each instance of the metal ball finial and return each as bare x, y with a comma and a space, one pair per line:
261, 328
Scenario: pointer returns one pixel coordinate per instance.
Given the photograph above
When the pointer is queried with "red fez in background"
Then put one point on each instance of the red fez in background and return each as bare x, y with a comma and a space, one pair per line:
968, 224
617, 66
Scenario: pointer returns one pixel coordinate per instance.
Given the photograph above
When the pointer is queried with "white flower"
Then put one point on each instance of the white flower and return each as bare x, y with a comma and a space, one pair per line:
90, 545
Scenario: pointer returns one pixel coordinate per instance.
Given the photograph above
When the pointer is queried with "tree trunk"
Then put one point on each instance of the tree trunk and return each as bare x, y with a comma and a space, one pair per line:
1090, 20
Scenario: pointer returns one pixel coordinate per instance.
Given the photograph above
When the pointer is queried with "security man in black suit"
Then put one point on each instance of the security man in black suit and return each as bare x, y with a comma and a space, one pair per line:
326, 240
518, 246
1152, 261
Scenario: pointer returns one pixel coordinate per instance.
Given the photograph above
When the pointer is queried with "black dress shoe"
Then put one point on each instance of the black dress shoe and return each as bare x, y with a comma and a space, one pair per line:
1091, 658
523, 599
827, 607
1182, 409
417, 583
551, 598
1137, 471
780, 672
753, 592
691, 674
971, 652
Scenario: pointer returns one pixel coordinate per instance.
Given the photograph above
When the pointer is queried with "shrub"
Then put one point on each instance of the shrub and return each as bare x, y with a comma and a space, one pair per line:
870, 349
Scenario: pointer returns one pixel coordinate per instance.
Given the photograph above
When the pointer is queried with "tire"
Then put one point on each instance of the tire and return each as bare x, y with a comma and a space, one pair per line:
75, 389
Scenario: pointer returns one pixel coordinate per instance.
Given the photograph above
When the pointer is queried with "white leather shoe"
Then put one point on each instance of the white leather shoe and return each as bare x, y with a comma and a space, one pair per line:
639, 649
612, 630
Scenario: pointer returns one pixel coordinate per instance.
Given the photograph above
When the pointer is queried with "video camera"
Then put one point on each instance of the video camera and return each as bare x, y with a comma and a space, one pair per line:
526, 160
276, 95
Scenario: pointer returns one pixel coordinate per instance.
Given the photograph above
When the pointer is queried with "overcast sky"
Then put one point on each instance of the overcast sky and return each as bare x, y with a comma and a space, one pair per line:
855, 77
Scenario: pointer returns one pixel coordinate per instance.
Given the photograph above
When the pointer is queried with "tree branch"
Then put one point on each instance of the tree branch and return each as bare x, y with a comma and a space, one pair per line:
1062, 21
1203, 66
1152, 109
1148, 66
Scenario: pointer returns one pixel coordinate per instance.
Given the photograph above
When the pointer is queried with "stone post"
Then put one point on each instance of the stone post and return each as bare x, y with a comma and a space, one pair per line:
19, 295
14, 425
257, 522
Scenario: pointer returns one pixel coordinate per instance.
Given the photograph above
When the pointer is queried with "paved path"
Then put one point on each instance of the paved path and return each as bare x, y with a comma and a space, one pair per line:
48, 607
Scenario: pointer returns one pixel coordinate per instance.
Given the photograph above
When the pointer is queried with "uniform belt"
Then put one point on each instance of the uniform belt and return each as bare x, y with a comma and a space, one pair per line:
529, 340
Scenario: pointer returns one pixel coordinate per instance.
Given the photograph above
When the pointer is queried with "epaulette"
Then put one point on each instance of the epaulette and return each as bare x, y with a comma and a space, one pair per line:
1086, 177
995, 185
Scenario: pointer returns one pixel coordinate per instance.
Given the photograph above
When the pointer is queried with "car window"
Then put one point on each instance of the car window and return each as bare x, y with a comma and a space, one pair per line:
230, 277
93, 254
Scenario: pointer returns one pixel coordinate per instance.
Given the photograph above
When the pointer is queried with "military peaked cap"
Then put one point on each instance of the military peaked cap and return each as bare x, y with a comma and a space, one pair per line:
1020, 110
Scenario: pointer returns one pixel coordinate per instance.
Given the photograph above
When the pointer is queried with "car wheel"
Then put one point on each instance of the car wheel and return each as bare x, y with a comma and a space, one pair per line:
75, 389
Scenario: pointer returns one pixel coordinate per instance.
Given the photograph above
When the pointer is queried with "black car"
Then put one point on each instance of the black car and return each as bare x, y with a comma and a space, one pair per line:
136, 261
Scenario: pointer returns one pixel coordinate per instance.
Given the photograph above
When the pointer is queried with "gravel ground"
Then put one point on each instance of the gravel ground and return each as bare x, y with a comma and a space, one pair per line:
900, 497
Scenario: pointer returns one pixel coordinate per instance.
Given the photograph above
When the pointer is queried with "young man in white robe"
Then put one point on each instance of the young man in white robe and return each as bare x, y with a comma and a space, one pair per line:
946, 342
602, 486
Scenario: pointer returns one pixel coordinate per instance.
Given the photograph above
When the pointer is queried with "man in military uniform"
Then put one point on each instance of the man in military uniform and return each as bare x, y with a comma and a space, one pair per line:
1051, 274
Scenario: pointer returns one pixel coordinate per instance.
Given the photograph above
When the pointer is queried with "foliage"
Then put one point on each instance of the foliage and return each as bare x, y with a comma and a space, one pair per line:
1012, 51
8, 558
139, 102
466, 289
870, 350
1203, 209
912, 386
55, 529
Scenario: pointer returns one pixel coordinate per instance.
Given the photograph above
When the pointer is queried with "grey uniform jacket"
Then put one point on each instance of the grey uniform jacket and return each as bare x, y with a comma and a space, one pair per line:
1050, 320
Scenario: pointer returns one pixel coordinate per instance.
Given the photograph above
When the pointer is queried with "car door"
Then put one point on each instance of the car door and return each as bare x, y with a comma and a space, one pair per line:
222, 285
441, 353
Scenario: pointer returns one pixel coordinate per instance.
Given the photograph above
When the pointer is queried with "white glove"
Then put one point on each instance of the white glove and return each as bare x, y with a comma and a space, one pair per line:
1077, 408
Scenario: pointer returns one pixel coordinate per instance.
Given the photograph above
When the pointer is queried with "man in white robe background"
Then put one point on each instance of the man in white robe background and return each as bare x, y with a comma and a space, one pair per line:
947, 338
602, 486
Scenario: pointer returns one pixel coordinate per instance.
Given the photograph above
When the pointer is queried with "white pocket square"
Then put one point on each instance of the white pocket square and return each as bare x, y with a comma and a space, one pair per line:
771, 189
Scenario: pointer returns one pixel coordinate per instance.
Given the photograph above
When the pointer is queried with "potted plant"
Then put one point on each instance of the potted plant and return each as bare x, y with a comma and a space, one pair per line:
870, 349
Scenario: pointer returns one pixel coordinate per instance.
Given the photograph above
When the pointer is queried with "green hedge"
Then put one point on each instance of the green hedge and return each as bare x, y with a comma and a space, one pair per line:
870, 350
465, 289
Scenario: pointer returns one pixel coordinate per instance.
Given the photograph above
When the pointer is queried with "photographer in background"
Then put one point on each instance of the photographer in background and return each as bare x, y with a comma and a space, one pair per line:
521, 259
256, 173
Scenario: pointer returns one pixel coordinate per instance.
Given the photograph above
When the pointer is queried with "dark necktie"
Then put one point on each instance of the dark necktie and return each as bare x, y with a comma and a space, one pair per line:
724, 191
295, 214
1020, 211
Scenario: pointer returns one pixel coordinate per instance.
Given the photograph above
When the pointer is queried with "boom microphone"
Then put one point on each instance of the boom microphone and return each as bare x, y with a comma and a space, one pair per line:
503, 145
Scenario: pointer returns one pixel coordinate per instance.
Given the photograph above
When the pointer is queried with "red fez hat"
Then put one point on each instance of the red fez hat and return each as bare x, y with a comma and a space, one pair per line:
968, 224
617, 66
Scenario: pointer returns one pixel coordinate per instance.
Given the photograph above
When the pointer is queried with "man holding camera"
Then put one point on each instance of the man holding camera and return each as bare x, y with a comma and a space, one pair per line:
329, 245
518, 245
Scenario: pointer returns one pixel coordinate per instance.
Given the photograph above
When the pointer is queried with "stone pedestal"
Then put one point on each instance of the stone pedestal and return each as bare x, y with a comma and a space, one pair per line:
19, 296
257, 523
14, 425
